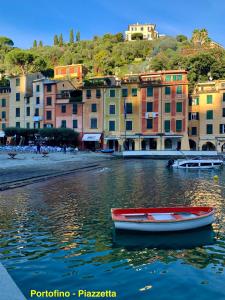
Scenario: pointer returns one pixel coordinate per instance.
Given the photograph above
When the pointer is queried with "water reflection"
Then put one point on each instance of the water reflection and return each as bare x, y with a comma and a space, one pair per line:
60, 234
173, 240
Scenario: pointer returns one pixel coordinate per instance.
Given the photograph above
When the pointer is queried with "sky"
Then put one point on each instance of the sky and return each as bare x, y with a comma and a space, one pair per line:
26, 20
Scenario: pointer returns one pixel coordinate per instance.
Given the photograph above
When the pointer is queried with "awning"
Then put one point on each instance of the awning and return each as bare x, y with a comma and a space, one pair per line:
91, 137
2, 134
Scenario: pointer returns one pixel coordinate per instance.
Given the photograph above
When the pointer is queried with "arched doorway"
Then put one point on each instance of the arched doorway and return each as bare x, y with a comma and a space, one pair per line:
192, 145
129, 145
143, 145
168, 144
208, 147
223, 148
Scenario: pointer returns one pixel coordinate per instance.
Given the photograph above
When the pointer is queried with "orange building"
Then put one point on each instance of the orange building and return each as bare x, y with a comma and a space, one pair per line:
76, 72
50, 91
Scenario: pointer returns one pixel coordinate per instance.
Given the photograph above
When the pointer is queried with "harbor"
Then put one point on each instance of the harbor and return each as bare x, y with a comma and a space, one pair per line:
59, 233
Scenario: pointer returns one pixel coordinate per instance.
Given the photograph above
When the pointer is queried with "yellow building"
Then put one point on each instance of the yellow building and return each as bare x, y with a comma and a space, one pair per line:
207, 116
22, 104
148, 31
4, 107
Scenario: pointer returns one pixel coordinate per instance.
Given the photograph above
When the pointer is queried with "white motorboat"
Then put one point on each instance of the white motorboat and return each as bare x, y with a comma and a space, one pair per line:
196, 163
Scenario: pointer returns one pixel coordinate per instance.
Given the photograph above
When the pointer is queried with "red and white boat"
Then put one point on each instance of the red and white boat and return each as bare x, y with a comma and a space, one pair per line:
162, 218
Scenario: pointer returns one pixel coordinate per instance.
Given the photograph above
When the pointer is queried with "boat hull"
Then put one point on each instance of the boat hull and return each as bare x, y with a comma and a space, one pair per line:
165, 226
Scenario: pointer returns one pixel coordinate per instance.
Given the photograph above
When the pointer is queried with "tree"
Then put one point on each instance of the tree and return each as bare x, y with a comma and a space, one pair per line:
40, 44
56, 40
35, 44
6, 41
21, 59
181, 38
137, 36
61, 40
200, 37
78, 36
71, 37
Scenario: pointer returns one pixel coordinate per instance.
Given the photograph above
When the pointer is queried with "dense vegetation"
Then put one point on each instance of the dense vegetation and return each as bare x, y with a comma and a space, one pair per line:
110, 54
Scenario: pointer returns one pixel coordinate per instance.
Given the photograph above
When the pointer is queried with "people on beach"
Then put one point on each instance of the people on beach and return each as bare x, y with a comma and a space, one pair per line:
64, 148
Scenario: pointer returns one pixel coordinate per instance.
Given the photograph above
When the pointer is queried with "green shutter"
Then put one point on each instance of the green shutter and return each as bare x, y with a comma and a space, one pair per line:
197, 101
179, 106
112, 93
178, 125
149, 91
124, 92
168, 78
167, 107
209, 99
209, 114
134, 92
179, 89
167, 90
167, 125
209, 128
179, 77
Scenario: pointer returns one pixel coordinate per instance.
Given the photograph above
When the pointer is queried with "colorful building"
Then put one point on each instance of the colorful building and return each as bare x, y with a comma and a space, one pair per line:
4, 108
76, 72
69, 106
22, 105
164, 102
148, 31
49, 115
207, 116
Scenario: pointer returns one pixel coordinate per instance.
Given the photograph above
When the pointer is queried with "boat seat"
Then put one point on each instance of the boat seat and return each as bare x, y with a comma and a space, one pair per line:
178, 217
150, 218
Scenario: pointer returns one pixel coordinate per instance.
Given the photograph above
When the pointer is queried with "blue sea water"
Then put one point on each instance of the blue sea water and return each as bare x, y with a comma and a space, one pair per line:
59, 234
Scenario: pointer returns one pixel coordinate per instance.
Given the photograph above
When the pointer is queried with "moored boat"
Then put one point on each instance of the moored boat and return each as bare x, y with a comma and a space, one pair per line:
195, 163
107, 151
162, 219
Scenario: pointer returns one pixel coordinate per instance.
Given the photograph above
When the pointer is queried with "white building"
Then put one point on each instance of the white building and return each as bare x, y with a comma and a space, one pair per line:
148, 32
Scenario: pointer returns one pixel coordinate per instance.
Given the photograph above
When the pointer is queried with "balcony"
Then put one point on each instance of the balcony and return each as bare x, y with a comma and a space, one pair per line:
72, 96
37, 118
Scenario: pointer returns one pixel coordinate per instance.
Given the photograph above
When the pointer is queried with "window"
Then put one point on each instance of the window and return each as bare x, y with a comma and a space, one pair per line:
112, 93
222, 128
17, 124
94, 123
74, 123
194, 131
28, 111
36, 112
179, 90
49, 101
223, 112
3, 114
48, 115
74, 108
195, 101
124, 92
178, 125
17, 112
209, 99
37, 88
167, 107
63, 108
17, 96
49, 88
193, 116
179, 106
129, 108
209, 114
88, 94
167, 90
167, 125
209, 129
3, 125
149, 124
112, 109
149, 91
128, 125
17, 81
98, 93
93, 107
168, 78
111, 125
37, 100
63, 124
149, 107
3, 102
28, 125
223, 97
179, 77
134, 92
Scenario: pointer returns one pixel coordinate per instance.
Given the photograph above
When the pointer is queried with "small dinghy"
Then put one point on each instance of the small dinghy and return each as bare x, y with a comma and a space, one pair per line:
107, 151
163, 218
